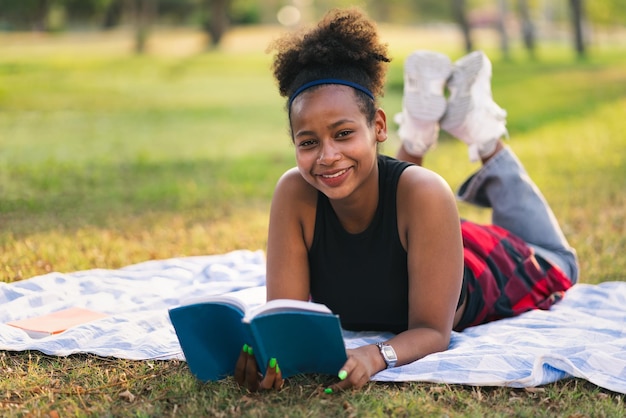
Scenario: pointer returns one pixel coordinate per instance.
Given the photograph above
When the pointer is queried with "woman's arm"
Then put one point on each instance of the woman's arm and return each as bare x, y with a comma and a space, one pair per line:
429, 220
429, 228
292, 218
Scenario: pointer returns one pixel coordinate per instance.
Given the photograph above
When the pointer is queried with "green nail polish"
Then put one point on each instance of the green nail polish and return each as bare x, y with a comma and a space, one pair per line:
328, 390
342, 374
245, 348
272, 363
277, 368
250, 351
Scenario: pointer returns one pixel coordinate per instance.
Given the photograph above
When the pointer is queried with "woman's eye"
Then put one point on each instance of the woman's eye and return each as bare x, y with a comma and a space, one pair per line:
343, 134
307, 144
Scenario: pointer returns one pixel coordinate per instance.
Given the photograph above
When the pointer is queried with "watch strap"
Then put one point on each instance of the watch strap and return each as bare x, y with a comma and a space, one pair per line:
388, 353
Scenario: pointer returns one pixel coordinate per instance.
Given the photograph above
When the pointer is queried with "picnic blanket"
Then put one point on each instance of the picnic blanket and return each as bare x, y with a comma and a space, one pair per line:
582, 336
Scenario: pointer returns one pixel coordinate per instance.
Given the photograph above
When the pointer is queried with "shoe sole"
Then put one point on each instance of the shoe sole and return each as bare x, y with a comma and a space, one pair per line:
422, 72
461, 81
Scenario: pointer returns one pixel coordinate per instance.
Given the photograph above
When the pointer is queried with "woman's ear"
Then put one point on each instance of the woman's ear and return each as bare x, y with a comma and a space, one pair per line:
380, 124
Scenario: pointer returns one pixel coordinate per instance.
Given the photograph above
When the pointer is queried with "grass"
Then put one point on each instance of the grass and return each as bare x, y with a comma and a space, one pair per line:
108, 159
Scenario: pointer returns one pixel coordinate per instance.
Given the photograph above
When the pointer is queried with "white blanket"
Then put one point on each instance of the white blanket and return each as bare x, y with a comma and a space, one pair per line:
583, 336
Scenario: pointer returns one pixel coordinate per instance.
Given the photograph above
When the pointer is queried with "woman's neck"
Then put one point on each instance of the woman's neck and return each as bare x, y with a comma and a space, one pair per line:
356, 212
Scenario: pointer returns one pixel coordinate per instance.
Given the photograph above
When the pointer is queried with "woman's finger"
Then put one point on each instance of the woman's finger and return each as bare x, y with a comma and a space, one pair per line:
251, 372
355, 378
240, 366
279, 381
273, 377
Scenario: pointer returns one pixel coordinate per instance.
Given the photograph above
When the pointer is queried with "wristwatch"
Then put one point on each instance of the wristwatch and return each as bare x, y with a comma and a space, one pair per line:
388, 353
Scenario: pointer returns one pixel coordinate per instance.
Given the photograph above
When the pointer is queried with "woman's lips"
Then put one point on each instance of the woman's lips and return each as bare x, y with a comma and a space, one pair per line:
335, 178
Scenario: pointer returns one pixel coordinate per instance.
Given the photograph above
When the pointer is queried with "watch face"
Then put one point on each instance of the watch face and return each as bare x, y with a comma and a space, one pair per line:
389, 353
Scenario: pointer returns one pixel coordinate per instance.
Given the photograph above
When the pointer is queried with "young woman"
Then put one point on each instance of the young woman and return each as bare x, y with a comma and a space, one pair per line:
378, 240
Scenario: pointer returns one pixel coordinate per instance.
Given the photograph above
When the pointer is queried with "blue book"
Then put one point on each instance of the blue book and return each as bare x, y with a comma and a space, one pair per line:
304, 337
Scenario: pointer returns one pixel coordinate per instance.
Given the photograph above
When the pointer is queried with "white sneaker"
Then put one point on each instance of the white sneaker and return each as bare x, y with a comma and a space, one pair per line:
423, 104
472, 115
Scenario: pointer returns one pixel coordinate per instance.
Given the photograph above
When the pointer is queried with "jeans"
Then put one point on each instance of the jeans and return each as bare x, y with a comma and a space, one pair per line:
519, 207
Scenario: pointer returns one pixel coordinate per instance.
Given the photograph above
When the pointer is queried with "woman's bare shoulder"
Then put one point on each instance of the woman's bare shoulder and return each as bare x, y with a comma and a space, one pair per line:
424, 197
291, 226
292, 186
421, 182
292, 192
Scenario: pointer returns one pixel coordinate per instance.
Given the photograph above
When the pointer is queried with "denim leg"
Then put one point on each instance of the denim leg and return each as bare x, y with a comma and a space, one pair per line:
519, 207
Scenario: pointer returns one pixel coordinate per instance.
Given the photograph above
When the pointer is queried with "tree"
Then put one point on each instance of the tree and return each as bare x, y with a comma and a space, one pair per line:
606, 12
504, 37
217, 23
528, 29
144, 12
42, 9
577, 12
112, 14
459, 11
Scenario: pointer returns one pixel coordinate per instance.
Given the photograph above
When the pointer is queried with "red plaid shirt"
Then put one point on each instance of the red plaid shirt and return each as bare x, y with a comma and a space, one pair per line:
504, 277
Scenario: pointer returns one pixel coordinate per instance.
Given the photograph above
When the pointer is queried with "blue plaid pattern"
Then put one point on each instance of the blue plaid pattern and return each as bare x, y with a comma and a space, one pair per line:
584, 335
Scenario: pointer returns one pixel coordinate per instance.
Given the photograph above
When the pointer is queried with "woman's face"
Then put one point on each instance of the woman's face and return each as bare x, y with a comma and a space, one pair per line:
336, 147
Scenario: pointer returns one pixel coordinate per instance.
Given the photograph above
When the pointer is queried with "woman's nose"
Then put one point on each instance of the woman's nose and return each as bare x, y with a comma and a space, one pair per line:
328, 153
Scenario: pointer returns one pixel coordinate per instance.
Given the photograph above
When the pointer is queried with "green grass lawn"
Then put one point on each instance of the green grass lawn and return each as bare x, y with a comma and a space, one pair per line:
108, 159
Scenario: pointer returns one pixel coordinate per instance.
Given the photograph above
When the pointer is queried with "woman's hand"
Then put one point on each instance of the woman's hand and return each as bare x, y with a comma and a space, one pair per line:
247, 373
363, 362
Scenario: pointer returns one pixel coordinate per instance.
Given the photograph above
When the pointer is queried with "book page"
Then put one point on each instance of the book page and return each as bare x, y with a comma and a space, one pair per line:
225, 299
243, 300
284, 305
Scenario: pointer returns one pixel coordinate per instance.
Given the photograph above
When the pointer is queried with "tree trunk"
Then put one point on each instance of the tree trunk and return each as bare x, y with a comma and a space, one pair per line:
504, 37
217, 23
577, 26
144, 12
112, 15
459, 11
528, 29
41, 15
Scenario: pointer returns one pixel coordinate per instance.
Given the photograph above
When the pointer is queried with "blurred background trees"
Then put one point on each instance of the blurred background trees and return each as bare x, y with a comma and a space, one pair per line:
531, 20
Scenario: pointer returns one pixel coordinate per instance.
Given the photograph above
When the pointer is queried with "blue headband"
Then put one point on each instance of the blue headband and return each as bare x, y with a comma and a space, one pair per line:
329, 81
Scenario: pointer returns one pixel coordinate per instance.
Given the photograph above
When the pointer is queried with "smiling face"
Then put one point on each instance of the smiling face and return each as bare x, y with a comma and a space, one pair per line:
336, 146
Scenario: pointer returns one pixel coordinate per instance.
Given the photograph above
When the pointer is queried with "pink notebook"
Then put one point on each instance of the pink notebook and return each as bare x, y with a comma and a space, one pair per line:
56, 322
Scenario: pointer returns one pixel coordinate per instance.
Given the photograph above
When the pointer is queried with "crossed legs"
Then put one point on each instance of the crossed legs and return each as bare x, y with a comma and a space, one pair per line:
470, 114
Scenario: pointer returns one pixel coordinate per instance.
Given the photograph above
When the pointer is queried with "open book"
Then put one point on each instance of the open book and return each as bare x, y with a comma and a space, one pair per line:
56, 322
304, 337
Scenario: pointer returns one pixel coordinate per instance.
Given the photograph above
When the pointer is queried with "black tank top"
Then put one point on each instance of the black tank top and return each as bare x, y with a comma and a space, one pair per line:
363, 277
